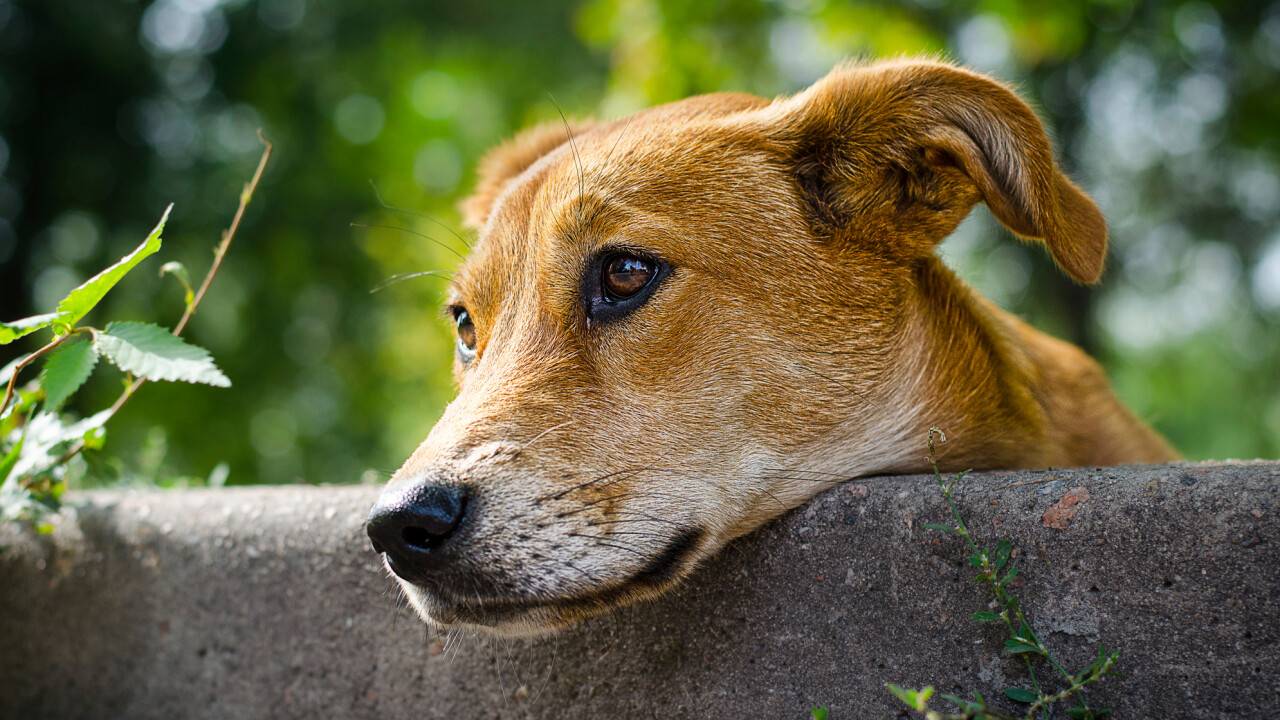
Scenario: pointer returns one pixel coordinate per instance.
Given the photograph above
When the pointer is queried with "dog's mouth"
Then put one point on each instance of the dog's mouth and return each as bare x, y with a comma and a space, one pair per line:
455, 603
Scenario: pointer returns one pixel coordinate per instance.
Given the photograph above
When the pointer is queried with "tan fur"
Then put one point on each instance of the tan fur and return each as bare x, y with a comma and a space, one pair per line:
807, 333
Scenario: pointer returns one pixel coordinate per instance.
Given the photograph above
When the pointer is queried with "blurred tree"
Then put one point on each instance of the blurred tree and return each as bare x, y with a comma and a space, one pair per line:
1166, 112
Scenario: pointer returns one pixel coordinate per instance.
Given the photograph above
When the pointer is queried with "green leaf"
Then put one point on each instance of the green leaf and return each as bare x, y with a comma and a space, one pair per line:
914, 699
95, 438
45, 435
11, 458
1026, 632
940, 527
819, 713
1008, 578
80, 301
10, 331
151, 352
179, 272
985, 616
964, 704
1021, 695
1003, 550
1017, 646
65, 371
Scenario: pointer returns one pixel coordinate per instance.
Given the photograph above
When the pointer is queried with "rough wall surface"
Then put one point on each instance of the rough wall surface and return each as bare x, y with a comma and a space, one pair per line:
267, 602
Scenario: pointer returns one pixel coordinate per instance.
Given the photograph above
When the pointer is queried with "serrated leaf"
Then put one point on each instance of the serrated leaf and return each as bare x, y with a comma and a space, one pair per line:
940, 527
10, 331
45, 435
65, 371
986, 616
151, 352
1003, 550
1021, 695
81, 300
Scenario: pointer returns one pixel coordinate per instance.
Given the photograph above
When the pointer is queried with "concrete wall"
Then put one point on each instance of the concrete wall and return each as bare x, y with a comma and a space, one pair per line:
267, 602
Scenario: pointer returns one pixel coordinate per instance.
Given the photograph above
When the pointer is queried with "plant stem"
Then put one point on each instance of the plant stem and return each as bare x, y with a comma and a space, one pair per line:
989, 574
13, 379
219, 252
1077, 686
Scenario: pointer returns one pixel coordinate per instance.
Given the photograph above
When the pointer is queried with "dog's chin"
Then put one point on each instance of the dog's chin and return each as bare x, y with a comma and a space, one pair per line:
508, 619
513, 616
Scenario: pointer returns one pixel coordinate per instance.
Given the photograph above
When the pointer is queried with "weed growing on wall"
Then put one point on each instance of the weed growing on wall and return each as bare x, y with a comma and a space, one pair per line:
995, 570
37, 440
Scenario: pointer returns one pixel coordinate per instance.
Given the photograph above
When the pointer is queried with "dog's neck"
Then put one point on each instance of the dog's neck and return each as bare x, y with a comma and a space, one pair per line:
1005, 394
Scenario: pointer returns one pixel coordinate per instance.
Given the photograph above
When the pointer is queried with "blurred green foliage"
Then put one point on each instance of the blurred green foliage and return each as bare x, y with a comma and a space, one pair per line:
1167, 112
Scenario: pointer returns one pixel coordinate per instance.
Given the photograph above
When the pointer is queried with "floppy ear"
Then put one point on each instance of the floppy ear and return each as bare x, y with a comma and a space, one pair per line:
909, 146
508, 160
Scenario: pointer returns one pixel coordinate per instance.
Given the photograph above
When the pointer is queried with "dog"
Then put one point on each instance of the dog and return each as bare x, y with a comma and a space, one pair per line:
678, 325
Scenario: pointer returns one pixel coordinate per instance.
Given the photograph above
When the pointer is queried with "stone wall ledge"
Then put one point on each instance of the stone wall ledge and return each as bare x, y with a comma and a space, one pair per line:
267, 602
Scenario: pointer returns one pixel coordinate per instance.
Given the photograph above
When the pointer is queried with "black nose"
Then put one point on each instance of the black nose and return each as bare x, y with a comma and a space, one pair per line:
412, 525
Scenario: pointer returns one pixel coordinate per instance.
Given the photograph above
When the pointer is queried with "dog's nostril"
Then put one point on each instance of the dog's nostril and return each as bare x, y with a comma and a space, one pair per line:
412, 525
419, 538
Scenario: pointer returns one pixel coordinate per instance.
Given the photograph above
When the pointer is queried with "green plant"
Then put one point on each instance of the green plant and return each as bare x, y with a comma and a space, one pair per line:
995, 570
37, 441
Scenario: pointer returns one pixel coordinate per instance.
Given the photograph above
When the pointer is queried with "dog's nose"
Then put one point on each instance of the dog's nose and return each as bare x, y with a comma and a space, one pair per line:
413, 525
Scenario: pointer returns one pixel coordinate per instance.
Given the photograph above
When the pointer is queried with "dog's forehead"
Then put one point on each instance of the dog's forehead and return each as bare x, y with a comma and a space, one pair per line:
674, 163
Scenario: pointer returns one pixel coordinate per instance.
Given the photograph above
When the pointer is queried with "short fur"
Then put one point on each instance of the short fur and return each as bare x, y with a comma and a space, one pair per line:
808, 332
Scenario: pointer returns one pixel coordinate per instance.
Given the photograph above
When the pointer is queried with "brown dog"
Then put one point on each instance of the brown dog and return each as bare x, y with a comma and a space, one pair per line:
681, 324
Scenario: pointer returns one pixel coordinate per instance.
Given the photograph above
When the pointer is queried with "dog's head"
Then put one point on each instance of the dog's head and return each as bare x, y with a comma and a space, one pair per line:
678, 325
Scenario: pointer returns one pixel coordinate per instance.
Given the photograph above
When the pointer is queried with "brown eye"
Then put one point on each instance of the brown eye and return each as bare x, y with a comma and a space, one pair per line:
625, 275
466, 333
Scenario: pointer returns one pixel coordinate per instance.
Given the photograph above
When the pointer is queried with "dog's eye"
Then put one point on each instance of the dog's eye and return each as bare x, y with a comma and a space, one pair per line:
623, 276
466, 333
619, 282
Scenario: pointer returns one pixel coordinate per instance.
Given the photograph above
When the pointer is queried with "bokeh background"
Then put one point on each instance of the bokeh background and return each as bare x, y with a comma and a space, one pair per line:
1167, 112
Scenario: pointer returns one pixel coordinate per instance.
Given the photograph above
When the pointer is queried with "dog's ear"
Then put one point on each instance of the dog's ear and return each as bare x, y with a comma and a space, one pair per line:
909, 146
508, 160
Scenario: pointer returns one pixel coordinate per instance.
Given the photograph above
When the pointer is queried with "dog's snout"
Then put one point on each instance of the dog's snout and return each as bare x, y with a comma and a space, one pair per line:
412, 526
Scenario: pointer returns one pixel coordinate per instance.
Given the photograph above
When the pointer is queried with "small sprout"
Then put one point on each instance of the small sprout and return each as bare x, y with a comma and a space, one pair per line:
179, 273
914, 699
819, 713
1021, 642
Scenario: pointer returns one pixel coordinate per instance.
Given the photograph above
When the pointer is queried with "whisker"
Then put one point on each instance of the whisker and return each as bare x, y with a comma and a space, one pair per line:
540, 435
828, 378
413, 213
605, 542
580, 486
401, 277
411, 231
573, 145
596, 210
